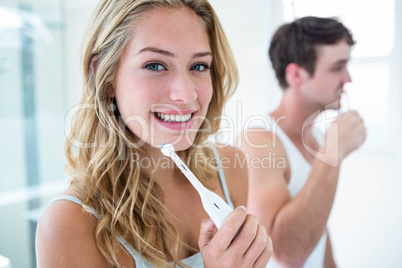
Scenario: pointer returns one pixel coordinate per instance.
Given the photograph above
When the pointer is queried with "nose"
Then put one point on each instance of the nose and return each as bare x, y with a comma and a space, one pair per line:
182, 89
347, 77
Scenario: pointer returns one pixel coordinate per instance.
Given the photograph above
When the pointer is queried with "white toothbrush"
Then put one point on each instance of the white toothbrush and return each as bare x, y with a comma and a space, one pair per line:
345, 102
213, 204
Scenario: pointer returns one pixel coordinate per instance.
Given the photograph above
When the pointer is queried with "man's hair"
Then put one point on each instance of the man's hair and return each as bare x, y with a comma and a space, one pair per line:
297, 41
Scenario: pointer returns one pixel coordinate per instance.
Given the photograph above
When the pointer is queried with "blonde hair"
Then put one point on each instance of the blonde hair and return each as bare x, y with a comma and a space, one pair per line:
106, 172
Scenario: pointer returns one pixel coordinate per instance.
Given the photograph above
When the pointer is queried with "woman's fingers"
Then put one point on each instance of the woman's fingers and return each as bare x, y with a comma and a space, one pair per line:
252, 247
265, 256
260, 251
246, 235
206, 233
230, 227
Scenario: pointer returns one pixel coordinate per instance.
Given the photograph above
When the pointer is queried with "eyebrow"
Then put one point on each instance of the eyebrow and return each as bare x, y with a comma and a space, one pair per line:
202, 54
156, 50
344, 61
170, 54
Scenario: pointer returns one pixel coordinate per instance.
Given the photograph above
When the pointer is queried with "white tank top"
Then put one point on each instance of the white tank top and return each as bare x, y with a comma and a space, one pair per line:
299, 171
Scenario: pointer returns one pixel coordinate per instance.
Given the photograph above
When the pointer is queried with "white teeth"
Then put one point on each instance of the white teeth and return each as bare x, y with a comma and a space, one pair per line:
173, 118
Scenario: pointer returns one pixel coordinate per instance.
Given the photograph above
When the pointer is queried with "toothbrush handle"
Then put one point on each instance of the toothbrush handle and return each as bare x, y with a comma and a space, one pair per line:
217, 209
187, 172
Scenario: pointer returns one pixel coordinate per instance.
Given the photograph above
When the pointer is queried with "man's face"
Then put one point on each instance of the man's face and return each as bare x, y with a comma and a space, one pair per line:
324, 87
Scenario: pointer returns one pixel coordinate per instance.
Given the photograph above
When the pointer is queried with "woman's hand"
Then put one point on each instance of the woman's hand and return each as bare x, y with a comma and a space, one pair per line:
252, 247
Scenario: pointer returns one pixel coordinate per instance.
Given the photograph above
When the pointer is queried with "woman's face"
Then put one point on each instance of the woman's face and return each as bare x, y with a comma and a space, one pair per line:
163, 85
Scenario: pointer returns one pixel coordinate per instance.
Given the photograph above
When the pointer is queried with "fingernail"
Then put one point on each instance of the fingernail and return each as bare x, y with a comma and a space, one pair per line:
243, 208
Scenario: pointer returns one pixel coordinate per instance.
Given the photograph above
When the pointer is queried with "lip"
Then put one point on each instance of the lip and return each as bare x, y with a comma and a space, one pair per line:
175, 125
174, 111
339, 94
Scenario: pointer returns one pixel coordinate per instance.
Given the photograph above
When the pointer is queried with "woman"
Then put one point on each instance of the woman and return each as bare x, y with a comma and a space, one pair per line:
155, 71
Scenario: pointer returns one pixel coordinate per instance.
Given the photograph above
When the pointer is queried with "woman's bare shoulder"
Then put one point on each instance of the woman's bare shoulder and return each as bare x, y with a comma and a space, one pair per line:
235, 169
65, 237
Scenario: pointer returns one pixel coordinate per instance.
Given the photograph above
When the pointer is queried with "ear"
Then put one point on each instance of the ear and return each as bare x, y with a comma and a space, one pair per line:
110, 92
295, 75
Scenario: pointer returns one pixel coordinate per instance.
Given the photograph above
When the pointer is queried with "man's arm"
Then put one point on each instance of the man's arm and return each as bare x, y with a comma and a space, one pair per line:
295, 225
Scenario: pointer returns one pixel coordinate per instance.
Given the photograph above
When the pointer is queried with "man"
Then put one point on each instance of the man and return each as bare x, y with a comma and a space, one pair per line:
293, 196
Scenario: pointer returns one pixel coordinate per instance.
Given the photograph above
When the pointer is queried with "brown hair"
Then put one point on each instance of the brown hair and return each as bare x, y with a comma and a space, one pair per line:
297, 41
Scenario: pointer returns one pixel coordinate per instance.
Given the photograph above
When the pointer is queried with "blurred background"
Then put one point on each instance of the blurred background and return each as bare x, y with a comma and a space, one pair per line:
40, 82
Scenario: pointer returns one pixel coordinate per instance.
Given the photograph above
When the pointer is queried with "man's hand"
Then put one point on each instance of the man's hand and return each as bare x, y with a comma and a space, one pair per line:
351, 134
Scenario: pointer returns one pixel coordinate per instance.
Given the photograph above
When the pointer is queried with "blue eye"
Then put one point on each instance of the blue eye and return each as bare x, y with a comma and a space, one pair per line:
200, 67
155, 67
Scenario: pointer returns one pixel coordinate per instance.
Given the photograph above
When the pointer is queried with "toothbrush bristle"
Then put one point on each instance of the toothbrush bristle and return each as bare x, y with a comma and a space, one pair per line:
167, 149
